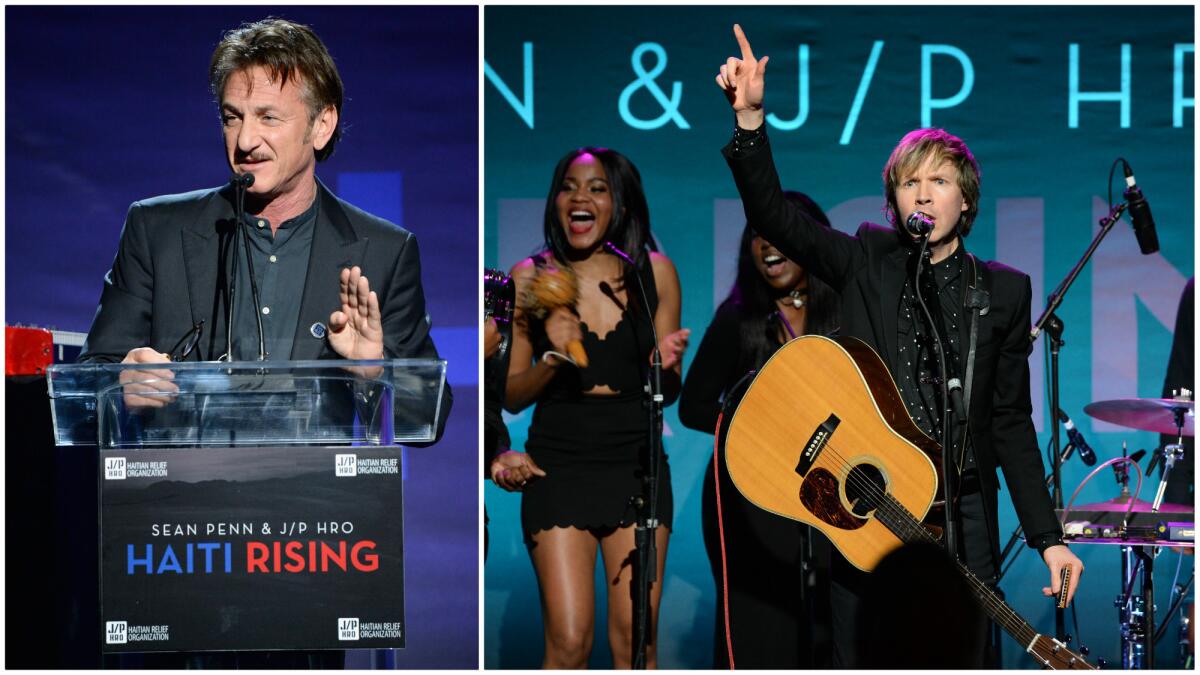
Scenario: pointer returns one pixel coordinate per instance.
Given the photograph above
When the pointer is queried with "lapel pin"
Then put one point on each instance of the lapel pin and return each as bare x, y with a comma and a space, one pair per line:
317, 330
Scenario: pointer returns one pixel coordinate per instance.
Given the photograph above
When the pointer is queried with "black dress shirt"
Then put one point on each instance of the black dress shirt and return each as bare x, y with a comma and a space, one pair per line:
280, 268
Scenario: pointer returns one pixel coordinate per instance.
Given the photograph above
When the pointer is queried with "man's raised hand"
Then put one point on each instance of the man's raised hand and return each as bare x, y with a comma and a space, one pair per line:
356, 330
742, 81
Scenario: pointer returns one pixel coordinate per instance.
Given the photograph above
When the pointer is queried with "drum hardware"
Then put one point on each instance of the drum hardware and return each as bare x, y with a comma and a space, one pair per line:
1186, 649
1141, 530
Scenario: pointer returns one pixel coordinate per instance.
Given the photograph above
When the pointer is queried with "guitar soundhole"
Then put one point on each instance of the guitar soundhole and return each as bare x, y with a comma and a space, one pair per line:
865, 487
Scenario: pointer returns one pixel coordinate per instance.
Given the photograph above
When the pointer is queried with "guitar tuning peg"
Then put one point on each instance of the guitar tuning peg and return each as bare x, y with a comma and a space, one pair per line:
1067, 639
1101, 662
1084, 651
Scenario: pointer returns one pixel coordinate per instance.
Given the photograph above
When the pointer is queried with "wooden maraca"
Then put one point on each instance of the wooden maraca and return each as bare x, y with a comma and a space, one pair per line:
551, 288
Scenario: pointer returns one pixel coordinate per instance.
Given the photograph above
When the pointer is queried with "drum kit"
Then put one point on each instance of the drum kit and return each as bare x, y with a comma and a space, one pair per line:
1140, 528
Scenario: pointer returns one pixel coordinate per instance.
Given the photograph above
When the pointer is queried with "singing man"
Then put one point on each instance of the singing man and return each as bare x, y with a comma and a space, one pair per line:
934, 173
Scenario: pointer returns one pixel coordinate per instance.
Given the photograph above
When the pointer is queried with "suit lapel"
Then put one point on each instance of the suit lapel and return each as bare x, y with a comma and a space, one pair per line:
892, 285
202, 242
335, 246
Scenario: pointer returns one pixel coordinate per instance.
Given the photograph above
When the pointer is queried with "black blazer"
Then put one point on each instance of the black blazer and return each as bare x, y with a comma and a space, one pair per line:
166, 276
868, 270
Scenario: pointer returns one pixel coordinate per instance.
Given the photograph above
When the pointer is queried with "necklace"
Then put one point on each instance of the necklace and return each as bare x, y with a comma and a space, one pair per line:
798, 295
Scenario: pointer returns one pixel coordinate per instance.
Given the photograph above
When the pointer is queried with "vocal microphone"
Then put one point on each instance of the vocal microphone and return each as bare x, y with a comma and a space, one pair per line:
1085, 451
1139, 213
612, 248
918, 224
242, 180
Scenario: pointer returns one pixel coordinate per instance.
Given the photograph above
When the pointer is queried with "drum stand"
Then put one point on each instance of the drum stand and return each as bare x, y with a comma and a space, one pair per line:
1136, 613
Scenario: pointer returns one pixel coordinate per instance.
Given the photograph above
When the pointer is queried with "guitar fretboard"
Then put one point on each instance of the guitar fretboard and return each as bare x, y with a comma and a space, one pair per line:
905, 525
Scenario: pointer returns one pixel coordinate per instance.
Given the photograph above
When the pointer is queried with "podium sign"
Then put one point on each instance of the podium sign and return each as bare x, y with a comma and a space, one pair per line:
258, 506
252, 548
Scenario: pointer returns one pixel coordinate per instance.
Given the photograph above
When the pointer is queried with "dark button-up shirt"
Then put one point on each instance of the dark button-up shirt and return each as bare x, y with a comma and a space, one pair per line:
918, 375
280, 268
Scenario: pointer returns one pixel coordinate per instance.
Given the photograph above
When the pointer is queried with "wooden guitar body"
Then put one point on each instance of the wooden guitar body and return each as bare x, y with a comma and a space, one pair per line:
873, 445
821, 436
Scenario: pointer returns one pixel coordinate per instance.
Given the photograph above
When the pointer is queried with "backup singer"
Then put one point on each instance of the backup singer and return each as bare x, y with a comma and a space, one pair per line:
589, 433
933, 172
778, 619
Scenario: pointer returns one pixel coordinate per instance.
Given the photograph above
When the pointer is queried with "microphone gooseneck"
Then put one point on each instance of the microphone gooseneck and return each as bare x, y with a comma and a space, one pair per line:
242, 182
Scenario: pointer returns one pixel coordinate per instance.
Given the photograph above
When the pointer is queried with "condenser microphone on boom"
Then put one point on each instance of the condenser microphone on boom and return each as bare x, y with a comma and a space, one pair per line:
1139, 213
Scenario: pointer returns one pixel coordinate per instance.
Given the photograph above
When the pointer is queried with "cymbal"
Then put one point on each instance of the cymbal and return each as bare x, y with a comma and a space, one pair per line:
1147, 414
1121, 504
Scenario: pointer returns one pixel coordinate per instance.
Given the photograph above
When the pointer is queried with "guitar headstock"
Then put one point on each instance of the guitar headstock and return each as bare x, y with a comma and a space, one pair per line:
1055, 655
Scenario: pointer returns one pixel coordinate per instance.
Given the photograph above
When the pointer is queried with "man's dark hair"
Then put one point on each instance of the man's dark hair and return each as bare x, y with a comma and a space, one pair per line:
286, 50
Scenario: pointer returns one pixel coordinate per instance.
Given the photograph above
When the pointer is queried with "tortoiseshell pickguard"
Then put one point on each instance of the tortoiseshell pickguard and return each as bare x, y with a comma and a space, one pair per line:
819, 494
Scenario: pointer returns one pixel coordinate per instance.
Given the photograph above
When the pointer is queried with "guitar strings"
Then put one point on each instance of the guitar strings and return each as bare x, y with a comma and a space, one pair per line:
911, 529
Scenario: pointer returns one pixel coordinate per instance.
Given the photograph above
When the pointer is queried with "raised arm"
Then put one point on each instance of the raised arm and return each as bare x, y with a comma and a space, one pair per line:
742, 81
830, 255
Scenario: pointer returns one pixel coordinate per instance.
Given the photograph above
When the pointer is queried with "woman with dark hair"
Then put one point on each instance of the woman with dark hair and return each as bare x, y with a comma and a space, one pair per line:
589, 433
772, 562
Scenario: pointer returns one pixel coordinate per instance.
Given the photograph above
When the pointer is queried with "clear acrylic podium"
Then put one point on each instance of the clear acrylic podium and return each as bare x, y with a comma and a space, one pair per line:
259, 507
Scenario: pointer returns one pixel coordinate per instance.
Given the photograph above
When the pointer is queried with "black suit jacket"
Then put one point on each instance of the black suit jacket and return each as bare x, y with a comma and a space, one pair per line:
868, 270
167, 275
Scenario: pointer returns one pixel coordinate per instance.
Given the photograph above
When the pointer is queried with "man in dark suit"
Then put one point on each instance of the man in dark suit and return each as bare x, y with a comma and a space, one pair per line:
935, 174
280, 99
309, 253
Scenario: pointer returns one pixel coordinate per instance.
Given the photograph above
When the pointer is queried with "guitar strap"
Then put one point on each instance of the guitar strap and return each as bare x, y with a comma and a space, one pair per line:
976, 300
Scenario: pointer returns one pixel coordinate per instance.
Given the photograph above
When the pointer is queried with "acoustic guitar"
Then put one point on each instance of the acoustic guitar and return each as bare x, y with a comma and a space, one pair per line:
821, 436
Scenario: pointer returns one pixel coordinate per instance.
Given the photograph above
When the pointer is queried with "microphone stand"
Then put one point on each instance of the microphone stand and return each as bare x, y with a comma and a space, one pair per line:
239, 197
1051, 324
949, 475
645, 533
241, 183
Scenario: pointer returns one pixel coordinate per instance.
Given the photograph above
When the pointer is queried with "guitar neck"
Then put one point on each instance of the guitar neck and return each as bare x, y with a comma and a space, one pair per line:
905, 525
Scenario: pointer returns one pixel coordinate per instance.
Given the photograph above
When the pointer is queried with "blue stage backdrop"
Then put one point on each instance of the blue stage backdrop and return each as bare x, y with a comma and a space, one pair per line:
1047, 98
108, 105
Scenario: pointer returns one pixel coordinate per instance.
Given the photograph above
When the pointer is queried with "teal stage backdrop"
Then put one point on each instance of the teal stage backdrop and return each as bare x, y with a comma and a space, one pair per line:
1047, 98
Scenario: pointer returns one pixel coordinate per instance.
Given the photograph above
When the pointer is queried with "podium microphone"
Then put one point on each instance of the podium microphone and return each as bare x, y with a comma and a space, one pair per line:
1139, 213
241, 183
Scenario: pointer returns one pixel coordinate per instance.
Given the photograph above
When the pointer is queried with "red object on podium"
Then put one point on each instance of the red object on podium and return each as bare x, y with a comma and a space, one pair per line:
27, 351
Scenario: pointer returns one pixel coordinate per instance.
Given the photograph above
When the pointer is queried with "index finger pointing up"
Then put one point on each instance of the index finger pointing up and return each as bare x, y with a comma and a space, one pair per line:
747, 53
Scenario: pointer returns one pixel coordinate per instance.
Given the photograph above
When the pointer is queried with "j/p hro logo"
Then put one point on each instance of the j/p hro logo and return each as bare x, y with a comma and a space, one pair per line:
345, 465
114, 468
347, 629
116, 632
